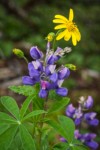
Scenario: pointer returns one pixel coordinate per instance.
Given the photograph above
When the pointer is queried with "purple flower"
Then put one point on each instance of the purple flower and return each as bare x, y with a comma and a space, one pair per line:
27, 80
89, 102
35, 53
70, 111
63, 73
77, 134
88, 140
44, 89
54, 56
90, 119
62, 91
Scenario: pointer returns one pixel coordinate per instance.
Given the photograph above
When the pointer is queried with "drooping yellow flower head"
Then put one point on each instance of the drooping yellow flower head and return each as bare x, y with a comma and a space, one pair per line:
69, 28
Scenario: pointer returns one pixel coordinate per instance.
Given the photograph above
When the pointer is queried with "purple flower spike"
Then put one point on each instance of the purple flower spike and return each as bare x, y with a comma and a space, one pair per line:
88, 103
28, 80
35, 53
70, 110
90, 119
63, 73
62, 91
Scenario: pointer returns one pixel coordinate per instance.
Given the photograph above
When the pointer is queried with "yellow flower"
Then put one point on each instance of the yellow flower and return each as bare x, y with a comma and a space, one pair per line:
69, 28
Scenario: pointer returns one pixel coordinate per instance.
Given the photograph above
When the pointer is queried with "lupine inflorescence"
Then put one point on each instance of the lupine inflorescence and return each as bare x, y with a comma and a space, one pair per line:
46, 72
80, 115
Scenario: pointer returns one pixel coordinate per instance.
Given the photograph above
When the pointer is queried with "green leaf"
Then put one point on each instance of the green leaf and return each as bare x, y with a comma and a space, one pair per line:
3, 128
59, 105
10, 104
61, 146
7, 137
34, 113
26, 138
79, 148
69, 126
25, 106
25, 90
5, 118
57, 127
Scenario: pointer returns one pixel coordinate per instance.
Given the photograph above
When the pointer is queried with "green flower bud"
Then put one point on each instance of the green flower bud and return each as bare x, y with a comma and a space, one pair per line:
50, 36
71, 66
18, 53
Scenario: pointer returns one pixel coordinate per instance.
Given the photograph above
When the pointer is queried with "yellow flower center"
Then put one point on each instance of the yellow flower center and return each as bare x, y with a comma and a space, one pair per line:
71, 26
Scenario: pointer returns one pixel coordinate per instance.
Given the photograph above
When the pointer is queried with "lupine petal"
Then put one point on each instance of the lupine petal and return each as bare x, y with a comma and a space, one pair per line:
28, 80
37, 65
71, 15
54, 77
43, 93
93, 122
62, 91
63, 73
35, 53
50, 60
33, 72
70, 110
92, 144
89, 102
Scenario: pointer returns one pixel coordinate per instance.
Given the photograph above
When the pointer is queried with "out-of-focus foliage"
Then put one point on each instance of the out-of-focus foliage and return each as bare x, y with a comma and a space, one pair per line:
30, 21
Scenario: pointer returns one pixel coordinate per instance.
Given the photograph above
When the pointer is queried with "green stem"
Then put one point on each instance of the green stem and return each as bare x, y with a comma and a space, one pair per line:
25, 59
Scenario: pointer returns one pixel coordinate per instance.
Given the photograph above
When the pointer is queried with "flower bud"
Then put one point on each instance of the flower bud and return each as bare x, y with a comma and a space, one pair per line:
50, 36
71, 66
18, 52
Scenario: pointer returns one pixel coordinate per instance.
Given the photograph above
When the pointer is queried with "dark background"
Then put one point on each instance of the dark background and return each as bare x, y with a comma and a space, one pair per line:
24, 23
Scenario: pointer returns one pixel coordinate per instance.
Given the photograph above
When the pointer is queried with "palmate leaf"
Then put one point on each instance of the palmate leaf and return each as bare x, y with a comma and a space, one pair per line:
59, 105
25, 90
34, 113
26, 138
65, 127
7, 119
3, 127
6, 138
57, 127
61, 146
10, 104
25, 106
69, 126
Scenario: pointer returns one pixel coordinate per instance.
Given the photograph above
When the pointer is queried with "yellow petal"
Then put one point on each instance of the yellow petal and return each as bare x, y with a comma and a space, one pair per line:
71, 15
67, 36
78, 35
60, 26
74, 41
61, 17
58, 21
61, 35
